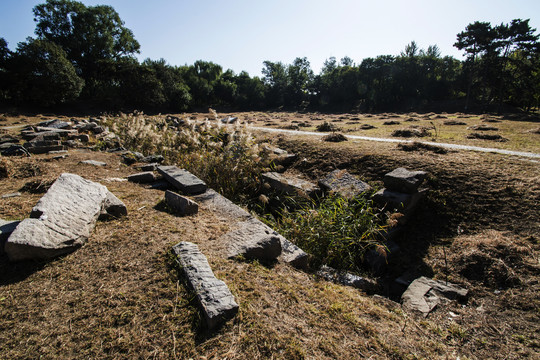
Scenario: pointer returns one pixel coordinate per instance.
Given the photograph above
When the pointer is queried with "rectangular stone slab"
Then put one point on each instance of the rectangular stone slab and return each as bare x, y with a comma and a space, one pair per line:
216, 300
289, 185
182, 180
61, 221
343, 183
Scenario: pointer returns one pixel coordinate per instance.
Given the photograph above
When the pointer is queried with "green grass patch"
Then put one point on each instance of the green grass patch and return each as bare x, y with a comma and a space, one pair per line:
336, 231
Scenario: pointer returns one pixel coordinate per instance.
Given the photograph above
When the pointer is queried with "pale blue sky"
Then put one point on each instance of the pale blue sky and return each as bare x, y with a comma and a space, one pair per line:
241, 34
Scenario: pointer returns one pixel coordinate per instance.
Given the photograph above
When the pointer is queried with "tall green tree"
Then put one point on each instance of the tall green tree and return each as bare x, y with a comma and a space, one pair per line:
299, 82
93, 37
477, 40
4, 56
491, 59
41, 74
275, 81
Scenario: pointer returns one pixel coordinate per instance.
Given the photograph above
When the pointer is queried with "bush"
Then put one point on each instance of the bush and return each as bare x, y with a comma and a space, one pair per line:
337, 232
326, 126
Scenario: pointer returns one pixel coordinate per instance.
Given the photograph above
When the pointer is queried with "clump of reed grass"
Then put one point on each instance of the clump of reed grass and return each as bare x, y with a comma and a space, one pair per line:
227, 158
336, 231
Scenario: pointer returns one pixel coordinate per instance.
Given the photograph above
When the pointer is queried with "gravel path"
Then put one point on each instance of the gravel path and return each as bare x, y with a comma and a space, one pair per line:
442, 145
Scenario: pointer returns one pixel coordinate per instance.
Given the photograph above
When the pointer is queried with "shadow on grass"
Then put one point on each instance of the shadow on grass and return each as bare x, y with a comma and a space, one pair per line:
12, 273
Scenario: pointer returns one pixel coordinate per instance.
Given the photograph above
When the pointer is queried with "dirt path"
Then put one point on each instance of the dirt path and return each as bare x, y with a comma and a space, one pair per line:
442, 145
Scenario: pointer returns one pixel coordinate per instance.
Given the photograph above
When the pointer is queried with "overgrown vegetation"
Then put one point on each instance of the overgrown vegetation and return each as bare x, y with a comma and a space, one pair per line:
226, 157
336, 231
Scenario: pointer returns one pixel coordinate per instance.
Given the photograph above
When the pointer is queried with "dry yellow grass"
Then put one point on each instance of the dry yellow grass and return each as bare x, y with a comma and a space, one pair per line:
119, 296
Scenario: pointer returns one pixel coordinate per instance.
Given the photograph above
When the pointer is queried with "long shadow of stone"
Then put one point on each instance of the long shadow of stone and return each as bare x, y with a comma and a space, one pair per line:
12, 273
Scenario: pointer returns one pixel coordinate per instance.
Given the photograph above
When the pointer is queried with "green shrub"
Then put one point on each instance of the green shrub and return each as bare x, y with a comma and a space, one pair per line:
337, 231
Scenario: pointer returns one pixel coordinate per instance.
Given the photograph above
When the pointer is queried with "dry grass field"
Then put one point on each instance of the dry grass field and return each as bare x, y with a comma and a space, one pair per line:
120, 295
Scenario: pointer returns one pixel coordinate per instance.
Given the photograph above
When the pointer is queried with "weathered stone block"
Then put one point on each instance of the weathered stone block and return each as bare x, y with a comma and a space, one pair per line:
343, 183
93, 163
44, 146
424, 294
149, 167
405, 203
222, 206
55, 124
293, 255
112, 207
404, 181
289, 185
142, 178
180, 204
61, 221
182, 180
215, 298
253, 240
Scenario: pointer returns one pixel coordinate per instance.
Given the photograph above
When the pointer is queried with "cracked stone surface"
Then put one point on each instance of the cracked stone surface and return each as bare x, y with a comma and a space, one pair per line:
62, 219
343, 183
215, 298
424, 294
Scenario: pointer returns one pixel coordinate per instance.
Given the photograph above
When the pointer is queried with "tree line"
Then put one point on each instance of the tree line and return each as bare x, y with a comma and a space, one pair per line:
85, 54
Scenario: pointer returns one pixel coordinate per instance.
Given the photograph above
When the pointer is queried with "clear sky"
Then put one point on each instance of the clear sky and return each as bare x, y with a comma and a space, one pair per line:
241, 34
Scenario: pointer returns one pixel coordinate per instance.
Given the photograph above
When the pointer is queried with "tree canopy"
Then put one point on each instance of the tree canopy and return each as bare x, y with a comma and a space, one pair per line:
86, 53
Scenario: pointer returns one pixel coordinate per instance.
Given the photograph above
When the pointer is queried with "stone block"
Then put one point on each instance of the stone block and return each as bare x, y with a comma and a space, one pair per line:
343, 183
424, 294
404, 181
345, 278
215, 298
253, 240
93, 163
142, 178
182, 205
405, 203
182, 180
61, 221
222, 206
290, 185
149, 167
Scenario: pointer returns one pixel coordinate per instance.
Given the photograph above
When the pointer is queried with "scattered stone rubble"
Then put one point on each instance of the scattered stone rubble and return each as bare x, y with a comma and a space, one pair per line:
213, 295
54, 135
65, 216
63, 219
401, 192
424, 294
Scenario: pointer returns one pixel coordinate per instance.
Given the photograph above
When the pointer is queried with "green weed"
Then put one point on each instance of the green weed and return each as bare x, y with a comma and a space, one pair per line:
336, 231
